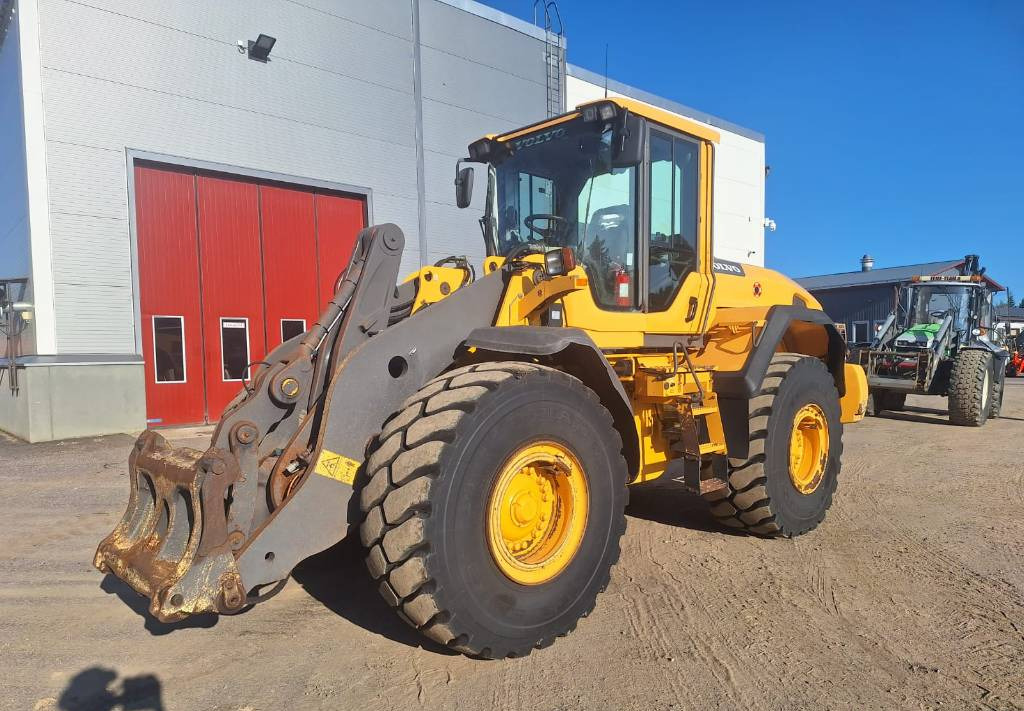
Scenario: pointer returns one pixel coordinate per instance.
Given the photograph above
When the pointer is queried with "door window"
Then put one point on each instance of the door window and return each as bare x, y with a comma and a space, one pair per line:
292, 327
169, 348
607, 236
673, 208
234, 348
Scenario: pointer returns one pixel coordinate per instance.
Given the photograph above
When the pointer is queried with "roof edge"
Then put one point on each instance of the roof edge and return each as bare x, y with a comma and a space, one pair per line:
497, 16
663, 103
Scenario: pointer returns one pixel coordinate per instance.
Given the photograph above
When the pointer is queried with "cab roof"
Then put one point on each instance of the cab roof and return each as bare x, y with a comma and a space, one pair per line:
651, 113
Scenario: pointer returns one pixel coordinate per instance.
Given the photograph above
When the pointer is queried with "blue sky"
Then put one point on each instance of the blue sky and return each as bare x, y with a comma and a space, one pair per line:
894, 128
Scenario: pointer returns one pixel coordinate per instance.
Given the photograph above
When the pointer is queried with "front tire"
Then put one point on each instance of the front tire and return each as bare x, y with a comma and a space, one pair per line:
971, 392
457, 535
786, 483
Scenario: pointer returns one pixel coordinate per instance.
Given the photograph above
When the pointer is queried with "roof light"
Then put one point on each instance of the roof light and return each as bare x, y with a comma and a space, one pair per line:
604, 111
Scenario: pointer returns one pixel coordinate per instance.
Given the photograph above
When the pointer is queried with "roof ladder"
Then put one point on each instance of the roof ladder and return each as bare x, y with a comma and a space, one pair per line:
554, 53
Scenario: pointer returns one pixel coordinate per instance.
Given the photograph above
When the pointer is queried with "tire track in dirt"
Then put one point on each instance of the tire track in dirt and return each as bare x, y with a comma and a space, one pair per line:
981, 638
707, 627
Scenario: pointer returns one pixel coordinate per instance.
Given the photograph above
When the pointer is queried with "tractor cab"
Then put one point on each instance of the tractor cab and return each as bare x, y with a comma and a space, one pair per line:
962, 307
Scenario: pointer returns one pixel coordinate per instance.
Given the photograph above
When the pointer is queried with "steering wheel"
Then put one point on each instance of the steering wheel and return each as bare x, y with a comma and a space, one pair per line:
938, 314
556, 225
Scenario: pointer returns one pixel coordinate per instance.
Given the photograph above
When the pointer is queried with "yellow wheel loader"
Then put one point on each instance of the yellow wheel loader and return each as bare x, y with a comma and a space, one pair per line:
481, 431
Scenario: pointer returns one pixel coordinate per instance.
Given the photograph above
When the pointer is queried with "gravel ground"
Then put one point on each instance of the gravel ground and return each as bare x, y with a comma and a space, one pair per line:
910, 595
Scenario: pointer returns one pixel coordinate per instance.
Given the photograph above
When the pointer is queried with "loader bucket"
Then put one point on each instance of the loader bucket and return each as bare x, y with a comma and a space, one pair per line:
172, 543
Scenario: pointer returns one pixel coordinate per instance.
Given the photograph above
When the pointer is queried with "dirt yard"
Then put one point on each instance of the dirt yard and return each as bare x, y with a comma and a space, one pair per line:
910, 595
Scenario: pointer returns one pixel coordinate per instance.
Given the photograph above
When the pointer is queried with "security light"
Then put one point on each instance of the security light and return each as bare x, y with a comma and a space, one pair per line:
260, 49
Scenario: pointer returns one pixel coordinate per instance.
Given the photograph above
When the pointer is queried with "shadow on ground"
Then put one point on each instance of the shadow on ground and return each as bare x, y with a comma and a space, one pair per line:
101, 689
338, 579
140, 606
667, 501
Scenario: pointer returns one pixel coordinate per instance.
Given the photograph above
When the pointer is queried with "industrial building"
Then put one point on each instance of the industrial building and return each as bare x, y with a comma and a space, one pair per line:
860, 301
186, 191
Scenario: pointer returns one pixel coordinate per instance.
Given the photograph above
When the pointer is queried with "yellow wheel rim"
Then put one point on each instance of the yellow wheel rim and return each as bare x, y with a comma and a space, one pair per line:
537, 513
808, 448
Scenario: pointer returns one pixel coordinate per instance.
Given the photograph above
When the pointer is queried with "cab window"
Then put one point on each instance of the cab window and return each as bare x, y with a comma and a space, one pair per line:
673, 209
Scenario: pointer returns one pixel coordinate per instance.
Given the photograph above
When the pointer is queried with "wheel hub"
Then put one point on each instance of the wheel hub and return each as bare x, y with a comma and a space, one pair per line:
537, 512
808, 448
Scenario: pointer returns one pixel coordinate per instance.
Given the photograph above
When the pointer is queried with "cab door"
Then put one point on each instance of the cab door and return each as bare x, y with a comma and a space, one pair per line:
676, 235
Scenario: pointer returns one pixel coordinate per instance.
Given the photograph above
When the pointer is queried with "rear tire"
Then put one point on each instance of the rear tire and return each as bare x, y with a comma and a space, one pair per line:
430, 505
882, 400
971, 391
762, 496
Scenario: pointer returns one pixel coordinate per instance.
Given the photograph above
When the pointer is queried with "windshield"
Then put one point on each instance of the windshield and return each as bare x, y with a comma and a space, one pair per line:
557, 189
932, 303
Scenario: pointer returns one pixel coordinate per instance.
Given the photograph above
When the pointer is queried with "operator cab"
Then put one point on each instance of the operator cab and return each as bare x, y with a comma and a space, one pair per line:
966, 305
622, 194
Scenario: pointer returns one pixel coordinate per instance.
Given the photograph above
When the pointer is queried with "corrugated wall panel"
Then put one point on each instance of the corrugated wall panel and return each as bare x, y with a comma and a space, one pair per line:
335, 103
91, 318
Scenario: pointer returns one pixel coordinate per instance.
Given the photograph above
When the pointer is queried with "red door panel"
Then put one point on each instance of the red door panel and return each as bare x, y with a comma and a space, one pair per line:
289, 259
338, 221
172, 339
232, 282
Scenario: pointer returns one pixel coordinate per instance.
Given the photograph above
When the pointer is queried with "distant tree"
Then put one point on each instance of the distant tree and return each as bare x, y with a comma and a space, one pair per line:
1010, 301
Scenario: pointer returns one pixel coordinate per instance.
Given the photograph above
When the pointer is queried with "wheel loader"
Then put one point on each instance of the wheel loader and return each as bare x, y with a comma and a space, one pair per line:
939, 340
480, 431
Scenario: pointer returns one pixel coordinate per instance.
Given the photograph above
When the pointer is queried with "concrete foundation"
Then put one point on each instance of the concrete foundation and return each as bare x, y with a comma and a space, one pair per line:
63, 400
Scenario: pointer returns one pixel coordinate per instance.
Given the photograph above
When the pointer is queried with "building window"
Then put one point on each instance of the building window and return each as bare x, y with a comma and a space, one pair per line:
234, 348
292, 327
860, 332
169, 348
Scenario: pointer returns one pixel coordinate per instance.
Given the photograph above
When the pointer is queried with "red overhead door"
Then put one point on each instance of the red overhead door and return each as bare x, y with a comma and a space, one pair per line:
289, 262
232, 280
228, 268
172, 337
338, 221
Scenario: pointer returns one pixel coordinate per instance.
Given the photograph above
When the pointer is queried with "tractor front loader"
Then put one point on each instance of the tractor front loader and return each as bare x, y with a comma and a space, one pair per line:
481, 432
939, 340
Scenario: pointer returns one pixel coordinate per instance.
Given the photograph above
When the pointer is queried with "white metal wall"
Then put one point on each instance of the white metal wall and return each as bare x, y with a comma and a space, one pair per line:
738, 182
337, 102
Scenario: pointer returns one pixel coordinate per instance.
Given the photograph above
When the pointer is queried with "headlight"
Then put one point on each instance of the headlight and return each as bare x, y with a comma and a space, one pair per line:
559, 261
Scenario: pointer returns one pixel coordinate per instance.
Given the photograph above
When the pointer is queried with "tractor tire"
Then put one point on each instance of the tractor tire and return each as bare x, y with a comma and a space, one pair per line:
998, 390
896, 402
971, 388
765, 495
462, 547
882, 400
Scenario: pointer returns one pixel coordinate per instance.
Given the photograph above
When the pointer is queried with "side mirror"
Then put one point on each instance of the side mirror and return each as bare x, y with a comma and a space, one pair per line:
464, 187
630, 139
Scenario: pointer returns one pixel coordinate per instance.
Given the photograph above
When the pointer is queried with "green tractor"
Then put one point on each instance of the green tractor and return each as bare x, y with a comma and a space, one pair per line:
939, 341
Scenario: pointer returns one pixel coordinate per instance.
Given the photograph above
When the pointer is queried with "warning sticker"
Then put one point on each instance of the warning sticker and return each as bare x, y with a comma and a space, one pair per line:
336, 466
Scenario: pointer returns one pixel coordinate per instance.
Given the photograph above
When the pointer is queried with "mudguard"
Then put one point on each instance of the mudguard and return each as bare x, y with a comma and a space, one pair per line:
736, 388
573, 351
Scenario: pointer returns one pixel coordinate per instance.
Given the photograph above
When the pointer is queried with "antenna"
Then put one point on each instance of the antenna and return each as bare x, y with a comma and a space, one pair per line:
606, 70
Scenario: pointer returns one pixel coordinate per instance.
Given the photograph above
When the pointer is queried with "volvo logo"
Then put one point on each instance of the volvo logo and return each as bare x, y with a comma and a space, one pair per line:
537, 138
722, 266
